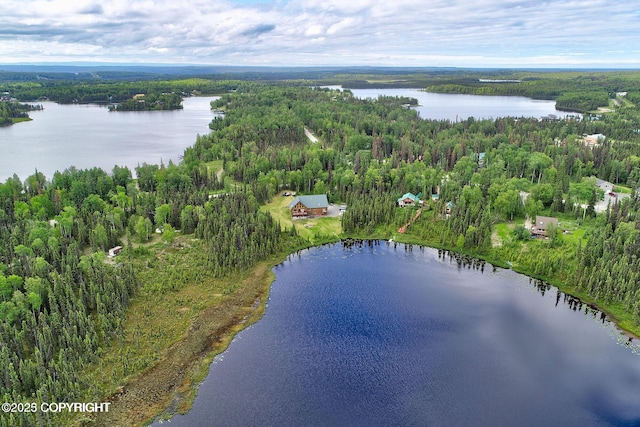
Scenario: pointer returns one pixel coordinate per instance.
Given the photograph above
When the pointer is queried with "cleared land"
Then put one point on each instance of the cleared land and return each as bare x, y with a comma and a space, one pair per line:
313, 229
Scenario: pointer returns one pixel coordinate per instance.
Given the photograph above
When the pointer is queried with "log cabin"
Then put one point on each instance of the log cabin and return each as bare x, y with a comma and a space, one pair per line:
305, 206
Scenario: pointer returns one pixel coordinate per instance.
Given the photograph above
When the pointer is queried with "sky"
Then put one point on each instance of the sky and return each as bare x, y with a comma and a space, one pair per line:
408, 33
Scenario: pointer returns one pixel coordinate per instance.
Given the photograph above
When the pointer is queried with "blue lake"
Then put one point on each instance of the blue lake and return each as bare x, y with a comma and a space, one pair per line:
384, 335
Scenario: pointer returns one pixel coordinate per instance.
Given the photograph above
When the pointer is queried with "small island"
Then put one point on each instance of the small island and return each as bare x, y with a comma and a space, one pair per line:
149, 102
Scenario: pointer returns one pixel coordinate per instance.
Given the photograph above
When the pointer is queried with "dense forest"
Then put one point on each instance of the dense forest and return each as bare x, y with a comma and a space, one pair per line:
579, 91
64, 302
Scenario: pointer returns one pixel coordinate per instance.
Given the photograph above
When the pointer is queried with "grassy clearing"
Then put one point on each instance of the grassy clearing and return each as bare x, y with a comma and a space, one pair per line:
179, 320
387, 81
315, 230
505, 229
576, 230
159, 314
575, 237
230, 184
215, 166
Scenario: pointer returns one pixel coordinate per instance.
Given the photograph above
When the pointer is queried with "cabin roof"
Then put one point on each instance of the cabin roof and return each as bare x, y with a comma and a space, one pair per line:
410, 196
312, 201
543, 221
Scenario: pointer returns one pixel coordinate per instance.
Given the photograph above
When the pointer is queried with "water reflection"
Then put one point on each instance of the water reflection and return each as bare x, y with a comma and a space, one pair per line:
366, 333
465, 261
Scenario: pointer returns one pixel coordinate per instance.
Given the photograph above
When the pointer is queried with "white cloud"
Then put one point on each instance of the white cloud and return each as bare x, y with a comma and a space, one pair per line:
314, 30
402, 32
343, 25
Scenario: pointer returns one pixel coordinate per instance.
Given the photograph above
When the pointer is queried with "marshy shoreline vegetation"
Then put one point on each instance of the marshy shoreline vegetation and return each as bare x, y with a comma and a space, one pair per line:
200, 237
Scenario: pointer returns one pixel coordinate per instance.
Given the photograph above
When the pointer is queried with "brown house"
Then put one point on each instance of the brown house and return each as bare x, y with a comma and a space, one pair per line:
541, 226
303, 206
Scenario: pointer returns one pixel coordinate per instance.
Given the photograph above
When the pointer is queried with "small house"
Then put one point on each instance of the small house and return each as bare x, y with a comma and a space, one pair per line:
409, 199
541, 227
114, 251
594, 140
449, 208
304, 206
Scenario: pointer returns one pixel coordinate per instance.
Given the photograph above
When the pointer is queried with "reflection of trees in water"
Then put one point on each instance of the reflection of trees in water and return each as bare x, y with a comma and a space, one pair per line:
469, 262
574, 303
577, 305
463, 261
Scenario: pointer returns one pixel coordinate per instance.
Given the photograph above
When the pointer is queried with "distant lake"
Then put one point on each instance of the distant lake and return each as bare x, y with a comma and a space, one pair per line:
88, 135
384, 335
439, 106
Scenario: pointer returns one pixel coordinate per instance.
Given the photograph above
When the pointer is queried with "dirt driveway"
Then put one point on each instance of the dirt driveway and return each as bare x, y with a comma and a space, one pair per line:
333, 210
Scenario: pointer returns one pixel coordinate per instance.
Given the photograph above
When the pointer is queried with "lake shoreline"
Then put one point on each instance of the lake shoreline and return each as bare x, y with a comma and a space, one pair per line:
210, 387
555, 282
168, 386
129, 139
181, 387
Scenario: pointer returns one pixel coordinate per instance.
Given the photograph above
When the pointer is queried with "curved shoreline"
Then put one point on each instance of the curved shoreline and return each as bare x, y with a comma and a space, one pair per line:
170, 386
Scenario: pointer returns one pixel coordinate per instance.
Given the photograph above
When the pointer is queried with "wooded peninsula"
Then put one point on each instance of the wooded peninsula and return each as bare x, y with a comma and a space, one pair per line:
121, 285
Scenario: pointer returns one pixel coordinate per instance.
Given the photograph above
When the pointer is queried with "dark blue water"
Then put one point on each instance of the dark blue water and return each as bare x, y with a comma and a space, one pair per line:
379, 335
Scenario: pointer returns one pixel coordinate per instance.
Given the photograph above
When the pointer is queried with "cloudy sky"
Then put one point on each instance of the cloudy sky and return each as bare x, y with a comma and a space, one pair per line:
461, 33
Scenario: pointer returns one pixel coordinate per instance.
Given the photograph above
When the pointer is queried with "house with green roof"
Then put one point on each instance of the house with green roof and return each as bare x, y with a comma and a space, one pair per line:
304, 206
409, 199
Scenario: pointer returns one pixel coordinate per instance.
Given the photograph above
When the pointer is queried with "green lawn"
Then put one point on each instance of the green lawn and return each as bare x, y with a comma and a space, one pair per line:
313, 229
621, 189
504, 230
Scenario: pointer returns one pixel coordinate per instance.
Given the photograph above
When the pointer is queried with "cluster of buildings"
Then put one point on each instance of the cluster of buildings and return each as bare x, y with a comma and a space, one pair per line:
409, 199
6, 97
317, 205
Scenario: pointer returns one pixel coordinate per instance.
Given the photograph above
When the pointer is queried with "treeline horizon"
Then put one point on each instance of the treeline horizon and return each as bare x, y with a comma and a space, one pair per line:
577, 90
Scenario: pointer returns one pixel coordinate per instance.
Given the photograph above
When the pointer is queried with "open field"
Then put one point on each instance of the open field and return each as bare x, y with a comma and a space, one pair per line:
21, 119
